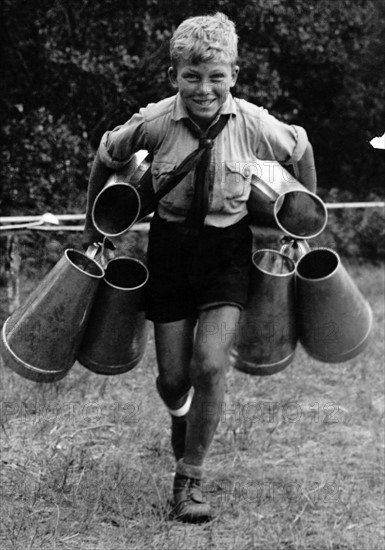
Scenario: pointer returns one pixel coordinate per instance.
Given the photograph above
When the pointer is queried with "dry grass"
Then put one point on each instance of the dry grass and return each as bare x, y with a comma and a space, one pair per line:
297, 462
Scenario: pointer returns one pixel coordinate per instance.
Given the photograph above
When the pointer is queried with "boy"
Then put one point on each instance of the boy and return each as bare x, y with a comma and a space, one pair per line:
199, 242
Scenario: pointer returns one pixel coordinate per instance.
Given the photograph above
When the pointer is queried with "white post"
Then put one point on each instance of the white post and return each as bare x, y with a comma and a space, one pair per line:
12, 271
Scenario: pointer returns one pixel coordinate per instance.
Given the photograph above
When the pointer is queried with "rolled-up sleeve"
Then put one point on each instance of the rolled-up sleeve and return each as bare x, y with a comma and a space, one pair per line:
118, 145
301, 143
286, 143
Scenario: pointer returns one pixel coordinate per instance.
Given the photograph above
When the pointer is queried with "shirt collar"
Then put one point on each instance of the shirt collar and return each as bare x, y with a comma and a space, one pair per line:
179, 112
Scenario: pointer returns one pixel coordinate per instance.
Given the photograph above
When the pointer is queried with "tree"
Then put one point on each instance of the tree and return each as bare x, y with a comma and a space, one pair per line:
74, 68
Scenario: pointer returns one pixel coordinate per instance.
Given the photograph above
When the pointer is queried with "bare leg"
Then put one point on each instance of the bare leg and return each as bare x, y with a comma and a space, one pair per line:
174, 346
215, 337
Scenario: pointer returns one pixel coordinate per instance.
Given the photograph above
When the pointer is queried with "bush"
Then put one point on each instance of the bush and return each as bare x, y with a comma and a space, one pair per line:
354, 232
44, 165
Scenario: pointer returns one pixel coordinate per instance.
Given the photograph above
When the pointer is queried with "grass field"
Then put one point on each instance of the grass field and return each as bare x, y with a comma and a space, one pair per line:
297, 462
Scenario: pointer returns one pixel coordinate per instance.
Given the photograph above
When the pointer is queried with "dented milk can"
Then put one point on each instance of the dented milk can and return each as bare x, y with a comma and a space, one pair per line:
116, 335
334, 319
40, 340
267, 332
279, 200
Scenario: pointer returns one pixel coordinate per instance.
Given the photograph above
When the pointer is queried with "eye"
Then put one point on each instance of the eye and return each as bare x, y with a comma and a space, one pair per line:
217, 77
191, 77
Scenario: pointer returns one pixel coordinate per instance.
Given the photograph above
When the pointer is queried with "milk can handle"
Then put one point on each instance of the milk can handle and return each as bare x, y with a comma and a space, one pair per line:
93, 250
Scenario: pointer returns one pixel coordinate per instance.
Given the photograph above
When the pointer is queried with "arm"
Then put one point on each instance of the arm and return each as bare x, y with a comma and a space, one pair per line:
305, 169
98, 178
289, 145
115, 150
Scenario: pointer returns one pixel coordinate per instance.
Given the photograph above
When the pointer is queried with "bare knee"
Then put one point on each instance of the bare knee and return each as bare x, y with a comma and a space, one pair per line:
174, 342
207, 369
211, 350
172, 388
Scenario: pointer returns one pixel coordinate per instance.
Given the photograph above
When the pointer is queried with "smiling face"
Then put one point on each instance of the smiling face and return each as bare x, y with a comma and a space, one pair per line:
203, 88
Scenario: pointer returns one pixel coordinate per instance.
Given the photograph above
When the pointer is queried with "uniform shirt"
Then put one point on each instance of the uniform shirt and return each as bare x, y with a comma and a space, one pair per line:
250, 133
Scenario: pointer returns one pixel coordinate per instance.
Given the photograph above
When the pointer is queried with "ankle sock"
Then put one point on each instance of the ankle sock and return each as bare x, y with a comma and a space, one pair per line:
188, 470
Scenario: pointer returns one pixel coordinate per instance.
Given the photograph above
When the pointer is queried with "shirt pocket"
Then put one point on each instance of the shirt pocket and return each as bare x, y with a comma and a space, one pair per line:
235, 188
179, 198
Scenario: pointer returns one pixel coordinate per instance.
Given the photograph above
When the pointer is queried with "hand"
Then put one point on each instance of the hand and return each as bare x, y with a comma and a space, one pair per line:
100, 253
92, 235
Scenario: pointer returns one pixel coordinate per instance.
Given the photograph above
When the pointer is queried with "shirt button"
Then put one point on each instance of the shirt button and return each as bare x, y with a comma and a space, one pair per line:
246, 171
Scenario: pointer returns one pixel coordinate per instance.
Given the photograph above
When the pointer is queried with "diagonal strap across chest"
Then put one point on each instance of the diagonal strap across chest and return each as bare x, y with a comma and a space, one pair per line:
199, 160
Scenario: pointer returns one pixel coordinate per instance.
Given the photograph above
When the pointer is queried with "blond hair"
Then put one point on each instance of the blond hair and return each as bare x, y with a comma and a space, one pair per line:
205, 39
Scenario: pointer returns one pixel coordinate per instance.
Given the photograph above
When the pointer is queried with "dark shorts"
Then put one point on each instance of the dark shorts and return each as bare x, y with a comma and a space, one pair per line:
189, 273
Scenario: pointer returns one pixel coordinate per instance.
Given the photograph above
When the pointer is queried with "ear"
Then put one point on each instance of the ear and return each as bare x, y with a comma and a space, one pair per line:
234, 75
173, 77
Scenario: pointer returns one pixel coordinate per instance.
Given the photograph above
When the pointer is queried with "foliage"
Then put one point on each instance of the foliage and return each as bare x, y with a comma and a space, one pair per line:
41, 250
354, 232
46, 166
73, 69
325, 60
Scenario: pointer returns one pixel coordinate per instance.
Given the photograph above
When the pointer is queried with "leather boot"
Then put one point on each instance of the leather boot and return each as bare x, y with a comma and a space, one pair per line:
189, 502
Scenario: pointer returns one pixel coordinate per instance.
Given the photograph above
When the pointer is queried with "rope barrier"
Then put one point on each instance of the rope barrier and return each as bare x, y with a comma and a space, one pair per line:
52, 221
335, 205
23, 219
136, 227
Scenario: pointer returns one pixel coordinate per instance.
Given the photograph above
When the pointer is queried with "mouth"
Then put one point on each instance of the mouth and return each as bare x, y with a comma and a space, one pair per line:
204, 102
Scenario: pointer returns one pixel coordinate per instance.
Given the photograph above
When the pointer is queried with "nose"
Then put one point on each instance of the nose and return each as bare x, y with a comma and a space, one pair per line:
205, 87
